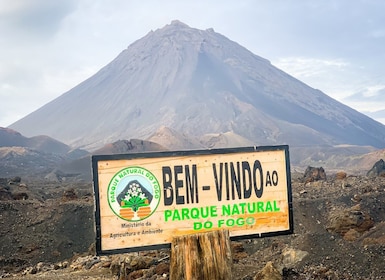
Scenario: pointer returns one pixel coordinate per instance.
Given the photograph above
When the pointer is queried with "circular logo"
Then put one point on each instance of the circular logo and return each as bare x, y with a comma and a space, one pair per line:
133, 193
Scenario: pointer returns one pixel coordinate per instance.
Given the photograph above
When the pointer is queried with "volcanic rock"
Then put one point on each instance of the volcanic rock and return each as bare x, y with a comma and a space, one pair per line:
269, 272
350, 223
378, 169
314, 174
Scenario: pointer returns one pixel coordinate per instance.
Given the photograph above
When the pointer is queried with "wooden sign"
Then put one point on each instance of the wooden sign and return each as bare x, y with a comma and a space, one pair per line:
144, 200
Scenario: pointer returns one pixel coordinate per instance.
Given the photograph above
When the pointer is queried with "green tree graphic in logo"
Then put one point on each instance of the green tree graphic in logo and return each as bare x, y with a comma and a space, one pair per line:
134, 197
133, 193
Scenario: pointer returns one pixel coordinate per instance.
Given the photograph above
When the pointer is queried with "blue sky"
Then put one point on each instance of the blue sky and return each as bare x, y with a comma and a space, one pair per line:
48, 47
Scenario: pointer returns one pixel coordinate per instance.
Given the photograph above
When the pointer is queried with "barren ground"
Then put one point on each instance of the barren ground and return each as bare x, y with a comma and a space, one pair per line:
339, 227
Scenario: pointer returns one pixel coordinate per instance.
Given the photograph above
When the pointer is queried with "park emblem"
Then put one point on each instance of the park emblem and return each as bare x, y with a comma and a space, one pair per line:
133, 193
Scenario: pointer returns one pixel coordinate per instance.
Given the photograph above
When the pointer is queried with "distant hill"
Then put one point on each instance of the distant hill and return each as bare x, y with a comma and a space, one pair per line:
50, 164
42, 157
350, 158
195, 83
26, 162
82, 166
10, 137
34, 156
174, 140
224, 140
129, 146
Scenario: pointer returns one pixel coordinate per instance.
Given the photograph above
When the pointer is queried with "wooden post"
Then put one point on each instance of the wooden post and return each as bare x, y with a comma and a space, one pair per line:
201, 256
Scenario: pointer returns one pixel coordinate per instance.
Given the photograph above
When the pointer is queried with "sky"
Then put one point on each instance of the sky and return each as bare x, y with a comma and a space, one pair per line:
48, 47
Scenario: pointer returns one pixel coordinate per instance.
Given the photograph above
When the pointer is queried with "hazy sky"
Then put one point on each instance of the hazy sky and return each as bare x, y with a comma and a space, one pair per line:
47, 47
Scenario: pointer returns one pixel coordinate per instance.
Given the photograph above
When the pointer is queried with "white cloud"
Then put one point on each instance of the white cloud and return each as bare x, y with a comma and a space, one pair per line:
327, 75
339, 79
28, 21
371, 98
377, 33
303, 67
375, 91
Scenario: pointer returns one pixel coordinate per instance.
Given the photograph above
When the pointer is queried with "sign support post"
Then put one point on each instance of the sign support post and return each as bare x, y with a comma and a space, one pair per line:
201, 256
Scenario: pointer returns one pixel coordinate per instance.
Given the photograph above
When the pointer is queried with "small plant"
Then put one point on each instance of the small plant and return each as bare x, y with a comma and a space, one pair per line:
134, 197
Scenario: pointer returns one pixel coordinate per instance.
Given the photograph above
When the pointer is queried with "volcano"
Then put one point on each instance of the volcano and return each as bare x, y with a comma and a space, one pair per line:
197, 83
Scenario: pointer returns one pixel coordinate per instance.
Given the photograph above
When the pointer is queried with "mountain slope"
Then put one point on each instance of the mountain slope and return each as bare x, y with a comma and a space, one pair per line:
197, 82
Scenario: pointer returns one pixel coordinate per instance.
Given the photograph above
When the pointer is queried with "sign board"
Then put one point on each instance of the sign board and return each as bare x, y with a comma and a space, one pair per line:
144, 200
